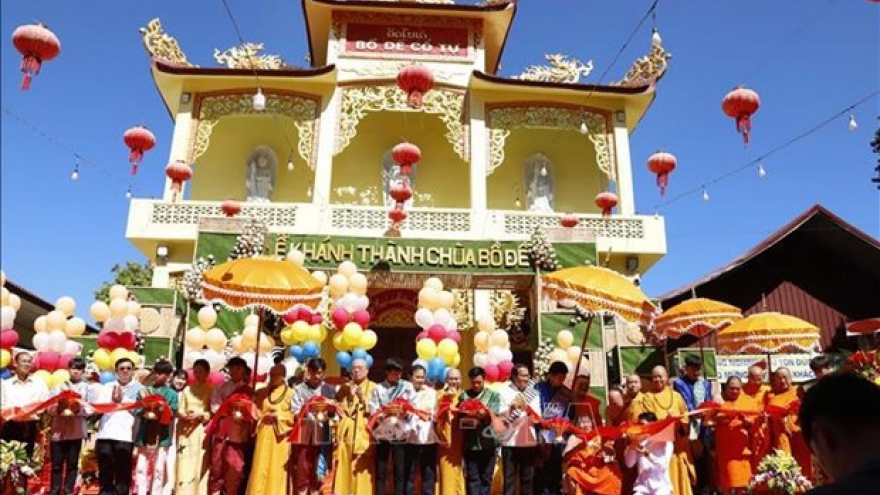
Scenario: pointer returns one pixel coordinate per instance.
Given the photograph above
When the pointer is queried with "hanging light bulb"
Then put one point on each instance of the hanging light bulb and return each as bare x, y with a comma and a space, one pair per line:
309, 192
290, 163
761, 172
74, 176
128, 193
705, 194
852, 124
584, 129
259, 100
655, 37
518, 203
543, 170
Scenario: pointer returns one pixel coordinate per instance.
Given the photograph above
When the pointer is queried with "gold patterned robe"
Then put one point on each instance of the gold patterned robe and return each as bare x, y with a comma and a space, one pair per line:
355, 456
192, 461
269, 473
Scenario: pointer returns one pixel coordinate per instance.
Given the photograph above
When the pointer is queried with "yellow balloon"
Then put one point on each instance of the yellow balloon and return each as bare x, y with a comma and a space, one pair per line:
347, 268
252, 321
60, 376
428, 298
481, 341
300, 330
498, 338
117, 354
55, 320
456, 361
14, 301
339, 342
338, 284
195, 338
118, 292
323, 332
207, 317
215, 339
100, 311
486, 324
351, 334
40, 324
426, 349
43, 375
357, 283
266, 344
75, 327
118, 308
135, 358
573, 353
4, 296
101, 357
564, 339
445, 299
287, 336
249, 333
5, 358
368, 340
2, 278
237, 346
248, 343
134, 308
314, 333
434, 283
447, 349
66, 305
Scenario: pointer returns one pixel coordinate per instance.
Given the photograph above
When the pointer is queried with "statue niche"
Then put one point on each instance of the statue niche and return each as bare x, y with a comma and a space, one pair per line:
540, 183
262, 171
391, 176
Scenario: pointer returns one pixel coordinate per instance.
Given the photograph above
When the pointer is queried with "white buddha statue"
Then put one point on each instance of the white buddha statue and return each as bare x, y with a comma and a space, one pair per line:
539, 183
262, 170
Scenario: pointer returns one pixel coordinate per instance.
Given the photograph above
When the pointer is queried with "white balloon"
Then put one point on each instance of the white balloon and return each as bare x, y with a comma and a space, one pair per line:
320, 277
252, 321
190, 357
215, 359
486, 324
363, 302
7, 317
424, 318
441, 316
481, 359
15, 301
296, 257
131, 323
72, 347
506, 355
496, 355
451, 324
57, 339
265, 364
347, 268
249, 358
115, 324
41, 341
350, 302
290, 364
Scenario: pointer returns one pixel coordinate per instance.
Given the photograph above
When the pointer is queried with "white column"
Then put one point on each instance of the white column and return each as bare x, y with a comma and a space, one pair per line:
180, 144
326, 142
478, 156
625, 194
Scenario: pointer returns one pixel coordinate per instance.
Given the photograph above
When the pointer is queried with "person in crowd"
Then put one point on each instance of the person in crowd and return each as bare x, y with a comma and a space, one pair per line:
194, 411
153, 438
479, 442
421, 446
355, 454
590, 466
69, 429
114, 442
313, 438
269, 474
178, 384
695, 390
785, 431
230, 438
519, 441
838, 418
450, 439
652, 459
555, 399
753, 396
664, 402
821, 366
22, 389
391, 430
733, 427
621, 404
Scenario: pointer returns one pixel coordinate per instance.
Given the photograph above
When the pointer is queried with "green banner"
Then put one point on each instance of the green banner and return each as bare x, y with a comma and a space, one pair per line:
639, 360
707, 356
552, 324
158, 297
408, 255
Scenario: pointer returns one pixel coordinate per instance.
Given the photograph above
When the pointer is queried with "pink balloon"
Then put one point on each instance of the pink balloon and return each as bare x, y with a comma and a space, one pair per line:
362, 318
317, 319
127, 340
108, 339
64, 361
290, 316
48, 360
305, 314
340, 318
492, 373
37, 363
215, 378
454, 335
504, 369
8, 339
422, 335
437, 333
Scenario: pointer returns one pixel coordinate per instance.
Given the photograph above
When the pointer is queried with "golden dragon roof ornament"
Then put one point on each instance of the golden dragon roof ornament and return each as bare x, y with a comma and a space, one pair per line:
162, 46
248, 56
649, 68
561, 69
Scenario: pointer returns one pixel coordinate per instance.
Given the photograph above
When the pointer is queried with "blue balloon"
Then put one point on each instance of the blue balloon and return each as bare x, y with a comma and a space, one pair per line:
297, 352
343, 359
5, 373
369, 360
310, 349
437, 364
107, 376
359, 354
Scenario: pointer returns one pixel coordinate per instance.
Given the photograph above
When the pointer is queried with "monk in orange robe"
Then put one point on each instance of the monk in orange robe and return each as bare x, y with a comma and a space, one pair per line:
665, 402
590, 467
753, 396
621, 404
732, 433
785, 430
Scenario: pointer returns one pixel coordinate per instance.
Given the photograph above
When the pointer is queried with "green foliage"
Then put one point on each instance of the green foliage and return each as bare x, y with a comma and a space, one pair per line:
875, 146
132, 274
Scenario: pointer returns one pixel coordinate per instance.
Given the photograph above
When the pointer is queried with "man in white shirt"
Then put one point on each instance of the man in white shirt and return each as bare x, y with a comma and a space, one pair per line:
652, 458
519, 441
314, 435
421, 448
115, 439
18, 391
391, 432
68, 429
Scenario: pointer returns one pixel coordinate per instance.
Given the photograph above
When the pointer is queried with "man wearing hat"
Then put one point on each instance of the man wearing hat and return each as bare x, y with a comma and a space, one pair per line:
695, 390
391, 428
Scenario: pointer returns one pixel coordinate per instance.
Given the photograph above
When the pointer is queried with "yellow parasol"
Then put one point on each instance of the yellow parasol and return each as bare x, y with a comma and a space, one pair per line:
698, 317
599, 290
768, 333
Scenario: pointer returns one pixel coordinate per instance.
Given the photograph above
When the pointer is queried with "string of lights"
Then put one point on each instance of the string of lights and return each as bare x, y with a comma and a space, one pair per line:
79, 161
758, 163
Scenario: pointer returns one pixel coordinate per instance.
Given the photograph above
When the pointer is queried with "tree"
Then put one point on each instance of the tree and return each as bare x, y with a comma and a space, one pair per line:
132, 274
875, 145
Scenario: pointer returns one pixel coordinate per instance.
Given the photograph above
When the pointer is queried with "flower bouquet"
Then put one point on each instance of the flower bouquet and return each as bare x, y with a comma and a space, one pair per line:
778, 474
15, 467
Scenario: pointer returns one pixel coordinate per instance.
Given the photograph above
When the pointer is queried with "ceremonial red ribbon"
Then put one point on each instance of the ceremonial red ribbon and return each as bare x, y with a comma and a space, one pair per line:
473, 408
157, 403
238, 400
332, 408
17, 413
399, 403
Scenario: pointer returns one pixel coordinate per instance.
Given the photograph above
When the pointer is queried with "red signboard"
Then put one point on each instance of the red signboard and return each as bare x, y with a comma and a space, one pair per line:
399, 39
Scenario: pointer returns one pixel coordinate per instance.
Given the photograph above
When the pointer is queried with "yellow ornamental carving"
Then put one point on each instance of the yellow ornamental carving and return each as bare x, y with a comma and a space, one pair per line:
358, 101
162, 46
301, 109
247, 56
501, 120
561, 69
463, 310
649, 68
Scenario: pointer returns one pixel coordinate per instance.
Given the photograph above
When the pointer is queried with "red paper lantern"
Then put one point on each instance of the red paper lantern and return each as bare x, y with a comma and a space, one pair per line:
179, 172
406, 155
37, 45
740, 104
569, 220
397, 215
662, 164
606, 200
230, 207
401, 192
139, 140
415, 80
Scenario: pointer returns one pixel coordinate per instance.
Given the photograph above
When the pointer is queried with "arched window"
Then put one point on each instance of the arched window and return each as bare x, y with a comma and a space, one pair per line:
391, 176
539, 180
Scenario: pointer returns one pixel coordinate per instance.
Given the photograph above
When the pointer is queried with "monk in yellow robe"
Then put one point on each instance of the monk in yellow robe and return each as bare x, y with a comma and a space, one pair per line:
733, 453
450, 474
269, 473
355, 455
785, 430
665, 402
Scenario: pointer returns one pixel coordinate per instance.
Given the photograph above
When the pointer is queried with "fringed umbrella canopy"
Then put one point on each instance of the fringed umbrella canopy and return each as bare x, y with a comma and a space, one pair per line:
599, 290
768, 333
275, 285
698, 317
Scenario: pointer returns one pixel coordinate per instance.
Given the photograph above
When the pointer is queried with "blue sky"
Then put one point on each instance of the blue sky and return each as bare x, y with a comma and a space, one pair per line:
808, 59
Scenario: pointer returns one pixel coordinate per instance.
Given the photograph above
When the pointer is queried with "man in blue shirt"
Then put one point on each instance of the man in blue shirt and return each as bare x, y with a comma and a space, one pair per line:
695, 390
